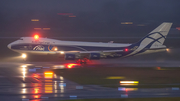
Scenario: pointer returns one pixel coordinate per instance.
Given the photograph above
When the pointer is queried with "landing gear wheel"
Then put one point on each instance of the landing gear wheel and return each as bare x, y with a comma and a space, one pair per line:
82, 61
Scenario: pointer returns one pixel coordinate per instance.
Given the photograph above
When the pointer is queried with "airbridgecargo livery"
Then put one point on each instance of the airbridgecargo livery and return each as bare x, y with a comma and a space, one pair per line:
84, 51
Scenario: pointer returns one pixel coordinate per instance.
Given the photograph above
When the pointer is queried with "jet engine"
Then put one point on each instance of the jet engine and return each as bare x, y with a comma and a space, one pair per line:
70, 57
94, 56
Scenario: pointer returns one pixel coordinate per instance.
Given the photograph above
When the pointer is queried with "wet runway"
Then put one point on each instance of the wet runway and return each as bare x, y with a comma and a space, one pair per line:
35, 82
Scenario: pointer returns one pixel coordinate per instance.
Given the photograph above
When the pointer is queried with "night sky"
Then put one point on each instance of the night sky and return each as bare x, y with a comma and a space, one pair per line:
91, 16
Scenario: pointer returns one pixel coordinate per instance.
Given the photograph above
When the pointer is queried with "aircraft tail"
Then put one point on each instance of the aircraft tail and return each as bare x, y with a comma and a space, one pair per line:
156, 38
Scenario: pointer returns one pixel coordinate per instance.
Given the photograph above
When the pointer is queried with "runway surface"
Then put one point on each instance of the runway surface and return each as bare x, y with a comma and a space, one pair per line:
36, 83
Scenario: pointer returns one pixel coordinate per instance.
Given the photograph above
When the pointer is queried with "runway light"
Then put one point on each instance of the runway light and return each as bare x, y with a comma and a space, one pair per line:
24, 90
34, 19
48, 74
167, 49
36, 96
61, 78
127, 89
129, 82
36, 37
115, 77
23, 56
36, 90
23, 69
46, 28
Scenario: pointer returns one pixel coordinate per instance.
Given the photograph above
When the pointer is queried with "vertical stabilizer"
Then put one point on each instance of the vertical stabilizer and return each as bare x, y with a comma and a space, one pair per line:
156, 37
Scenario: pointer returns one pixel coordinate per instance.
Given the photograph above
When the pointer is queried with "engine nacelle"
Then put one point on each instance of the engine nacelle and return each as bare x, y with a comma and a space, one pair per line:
94, 56
70, 57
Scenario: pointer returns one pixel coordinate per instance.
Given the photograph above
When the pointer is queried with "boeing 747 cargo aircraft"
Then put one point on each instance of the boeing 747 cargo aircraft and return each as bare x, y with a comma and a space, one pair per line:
83, 51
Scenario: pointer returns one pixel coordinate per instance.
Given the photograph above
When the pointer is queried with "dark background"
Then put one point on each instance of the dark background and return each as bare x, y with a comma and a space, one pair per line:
86, 20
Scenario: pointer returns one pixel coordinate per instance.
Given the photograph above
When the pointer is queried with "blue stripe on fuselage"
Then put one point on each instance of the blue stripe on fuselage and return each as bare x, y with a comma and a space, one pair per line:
62, 48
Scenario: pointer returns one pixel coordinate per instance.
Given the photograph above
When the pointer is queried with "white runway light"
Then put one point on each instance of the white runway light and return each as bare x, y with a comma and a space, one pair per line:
23, 56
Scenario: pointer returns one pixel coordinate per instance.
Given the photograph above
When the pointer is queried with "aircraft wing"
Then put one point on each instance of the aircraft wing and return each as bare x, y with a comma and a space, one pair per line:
105, 51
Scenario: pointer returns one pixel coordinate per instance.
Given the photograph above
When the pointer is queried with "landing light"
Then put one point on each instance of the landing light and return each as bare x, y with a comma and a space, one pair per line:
55, 49
62, 52
23, 56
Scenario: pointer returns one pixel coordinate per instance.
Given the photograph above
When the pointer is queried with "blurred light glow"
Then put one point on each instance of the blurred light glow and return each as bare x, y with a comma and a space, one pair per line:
59, 67
46, 28
62, 84
128, 84
127, 89
61, 78
71, 65
158, 68
48, 88
23, 90
36, 96
23, 66
36, 90
48, 74
23, 85
126, 49
24, 75
36, 76
178, 28
37, 28
129, 81
23, 69
23, 55
23, 97
48, 80
55, 49
167, 49
55, 76
62, 52
126, 23
36, 37
34, 19
115, 77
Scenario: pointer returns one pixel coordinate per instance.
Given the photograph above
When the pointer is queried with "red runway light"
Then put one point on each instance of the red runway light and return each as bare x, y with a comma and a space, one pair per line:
36, 36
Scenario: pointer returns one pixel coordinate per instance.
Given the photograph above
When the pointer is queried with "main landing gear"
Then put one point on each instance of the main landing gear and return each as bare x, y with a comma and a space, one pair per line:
83, 61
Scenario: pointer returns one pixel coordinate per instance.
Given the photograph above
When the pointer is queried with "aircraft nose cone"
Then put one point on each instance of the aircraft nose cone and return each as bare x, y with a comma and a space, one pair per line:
9, 46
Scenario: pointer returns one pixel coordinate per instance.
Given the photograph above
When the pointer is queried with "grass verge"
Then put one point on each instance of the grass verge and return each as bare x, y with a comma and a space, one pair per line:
131, 99
147, 77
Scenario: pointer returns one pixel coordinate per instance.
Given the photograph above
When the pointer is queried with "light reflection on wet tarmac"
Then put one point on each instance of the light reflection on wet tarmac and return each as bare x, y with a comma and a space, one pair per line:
22, 83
